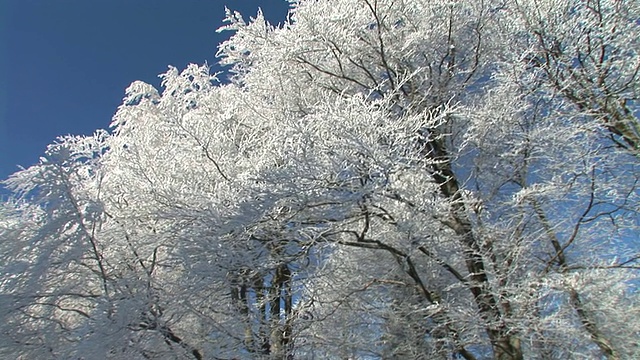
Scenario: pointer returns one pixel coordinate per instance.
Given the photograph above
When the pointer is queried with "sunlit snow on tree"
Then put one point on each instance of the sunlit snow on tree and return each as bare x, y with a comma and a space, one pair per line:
374, 179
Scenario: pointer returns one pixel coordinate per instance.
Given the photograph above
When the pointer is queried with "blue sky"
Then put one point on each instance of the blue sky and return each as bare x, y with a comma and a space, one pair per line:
64, 64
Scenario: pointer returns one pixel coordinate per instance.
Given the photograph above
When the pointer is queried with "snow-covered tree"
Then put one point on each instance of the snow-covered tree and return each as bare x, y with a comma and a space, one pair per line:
373, 179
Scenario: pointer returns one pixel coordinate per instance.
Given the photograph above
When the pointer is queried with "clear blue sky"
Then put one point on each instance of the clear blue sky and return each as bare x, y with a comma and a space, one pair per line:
64, 64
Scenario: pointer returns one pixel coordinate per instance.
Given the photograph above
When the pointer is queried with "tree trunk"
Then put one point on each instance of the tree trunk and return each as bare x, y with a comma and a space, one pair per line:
506, 346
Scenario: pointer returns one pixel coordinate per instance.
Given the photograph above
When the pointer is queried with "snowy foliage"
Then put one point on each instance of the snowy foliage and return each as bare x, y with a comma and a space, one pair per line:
371, 180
